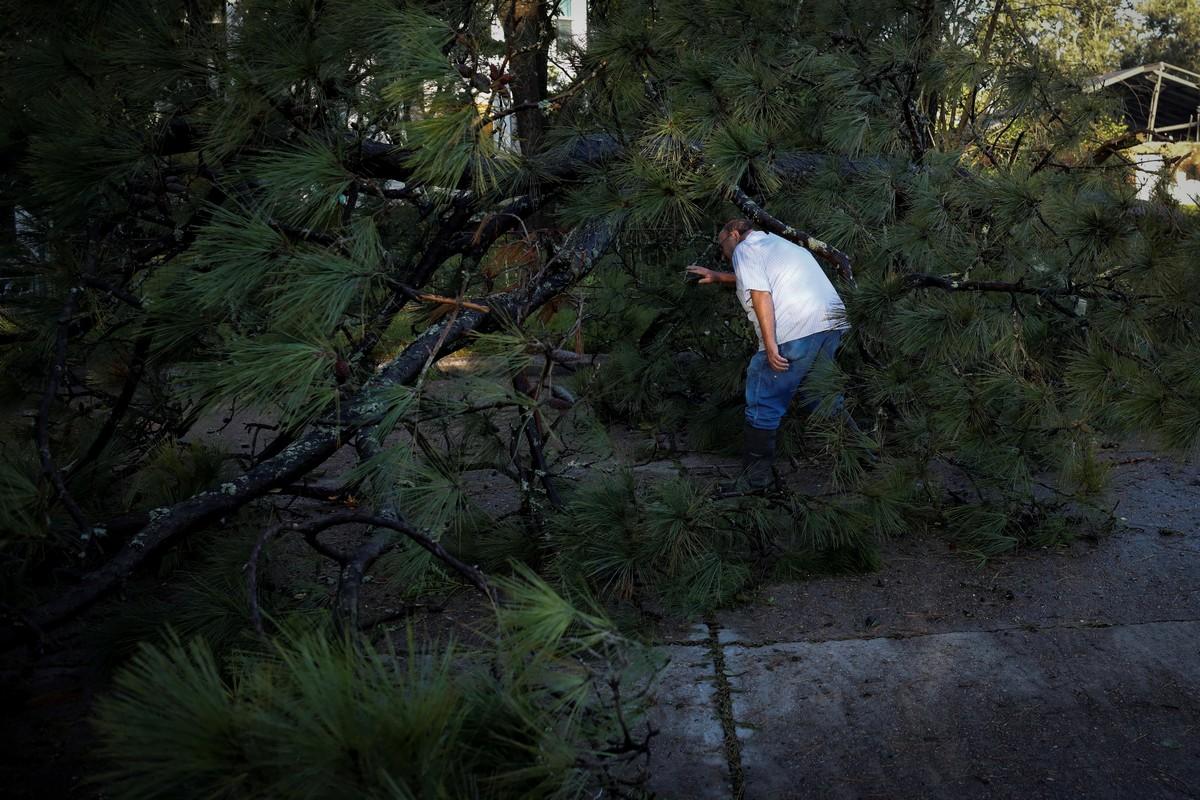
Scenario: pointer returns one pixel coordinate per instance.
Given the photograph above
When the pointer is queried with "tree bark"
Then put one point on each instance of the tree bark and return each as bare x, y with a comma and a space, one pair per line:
527, 37
761, 217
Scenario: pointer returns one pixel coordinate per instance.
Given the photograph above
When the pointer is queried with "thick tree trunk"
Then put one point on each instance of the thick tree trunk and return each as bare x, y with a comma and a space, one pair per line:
527, 36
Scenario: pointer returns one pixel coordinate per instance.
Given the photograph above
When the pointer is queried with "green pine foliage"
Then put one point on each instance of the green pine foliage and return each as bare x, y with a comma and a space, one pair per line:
202, 595
270, 200
1005, 389
534, 715
670, 541
176, 472
927, 149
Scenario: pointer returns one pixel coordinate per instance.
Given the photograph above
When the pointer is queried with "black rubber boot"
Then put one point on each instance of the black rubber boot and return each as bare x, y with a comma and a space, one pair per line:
758, 458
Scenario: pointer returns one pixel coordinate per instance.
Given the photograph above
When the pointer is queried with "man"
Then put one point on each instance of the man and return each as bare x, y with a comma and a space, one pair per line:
799, 319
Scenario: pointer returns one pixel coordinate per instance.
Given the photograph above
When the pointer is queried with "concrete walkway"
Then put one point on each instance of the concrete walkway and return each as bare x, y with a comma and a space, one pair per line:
1072, 674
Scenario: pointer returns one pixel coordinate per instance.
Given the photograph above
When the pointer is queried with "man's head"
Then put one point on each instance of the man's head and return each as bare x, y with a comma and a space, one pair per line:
733, 233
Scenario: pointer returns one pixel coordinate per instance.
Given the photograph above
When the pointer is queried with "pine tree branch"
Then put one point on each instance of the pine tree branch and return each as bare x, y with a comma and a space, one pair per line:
920, 281
377, 547
310, 491
760, 216
537, 453
411, 194
1116, 145
137, 366
372, 159
532, 423
354, 570
278, 444
984, 49
436, 252
453, 238
574, 260
473, 241
58, 369
93, 282
567, 358
42, 425
424, 297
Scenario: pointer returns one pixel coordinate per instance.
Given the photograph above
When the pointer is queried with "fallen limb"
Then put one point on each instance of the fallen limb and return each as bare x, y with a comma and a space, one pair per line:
761, 217
376, 547
354, 568
920, 281
574, 260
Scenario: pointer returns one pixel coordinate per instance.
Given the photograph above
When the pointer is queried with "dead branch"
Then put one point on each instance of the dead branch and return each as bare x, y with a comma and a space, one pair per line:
424, 297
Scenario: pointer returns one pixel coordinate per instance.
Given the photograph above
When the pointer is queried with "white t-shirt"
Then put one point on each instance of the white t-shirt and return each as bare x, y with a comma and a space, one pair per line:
805, 301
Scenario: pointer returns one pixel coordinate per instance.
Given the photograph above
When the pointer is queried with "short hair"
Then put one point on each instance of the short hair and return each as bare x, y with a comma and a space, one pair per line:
740, 224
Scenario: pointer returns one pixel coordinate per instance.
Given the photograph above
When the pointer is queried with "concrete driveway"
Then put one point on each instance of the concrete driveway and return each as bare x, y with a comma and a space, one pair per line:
1049, 674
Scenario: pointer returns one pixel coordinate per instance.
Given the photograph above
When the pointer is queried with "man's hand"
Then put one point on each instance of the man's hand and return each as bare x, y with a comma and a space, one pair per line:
777, 361
707, 275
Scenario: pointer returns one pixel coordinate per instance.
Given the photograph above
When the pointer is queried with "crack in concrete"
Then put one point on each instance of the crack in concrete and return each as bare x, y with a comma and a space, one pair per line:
724, 707
1028, 628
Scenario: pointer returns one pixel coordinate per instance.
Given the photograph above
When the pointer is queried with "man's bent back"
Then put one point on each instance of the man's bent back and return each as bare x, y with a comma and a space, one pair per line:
804, 299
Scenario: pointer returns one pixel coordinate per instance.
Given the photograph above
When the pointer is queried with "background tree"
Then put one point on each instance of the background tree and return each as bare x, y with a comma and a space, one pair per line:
1169, 31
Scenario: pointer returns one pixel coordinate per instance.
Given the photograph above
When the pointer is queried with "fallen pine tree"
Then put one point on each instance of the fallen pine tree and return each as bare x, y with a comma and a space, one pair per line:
202, 216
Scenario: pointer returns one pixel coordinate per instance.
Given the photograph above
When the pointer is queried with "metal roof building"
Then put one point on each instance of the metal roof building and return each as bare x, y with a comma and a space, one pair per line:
1160, 99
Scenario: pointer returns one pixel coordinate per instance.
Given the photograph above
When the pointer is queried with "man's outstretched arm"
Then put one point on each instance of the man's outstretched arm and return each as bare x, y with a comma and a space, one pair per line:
712, 275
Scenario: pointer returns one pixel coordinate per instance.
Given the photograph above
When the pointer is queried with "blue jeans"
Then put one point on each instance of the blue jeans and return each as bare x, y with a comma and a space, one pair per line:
768, 392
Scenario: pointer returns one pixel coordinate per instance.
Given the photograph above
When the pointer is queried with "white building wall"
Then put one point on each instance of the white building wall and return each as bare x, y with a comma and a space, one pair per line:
1183, 181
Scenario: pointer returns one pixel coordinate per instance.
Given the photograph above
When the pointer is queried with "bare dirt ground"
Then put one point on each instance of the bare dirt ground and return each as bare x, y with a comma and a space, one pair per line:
1072, 672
